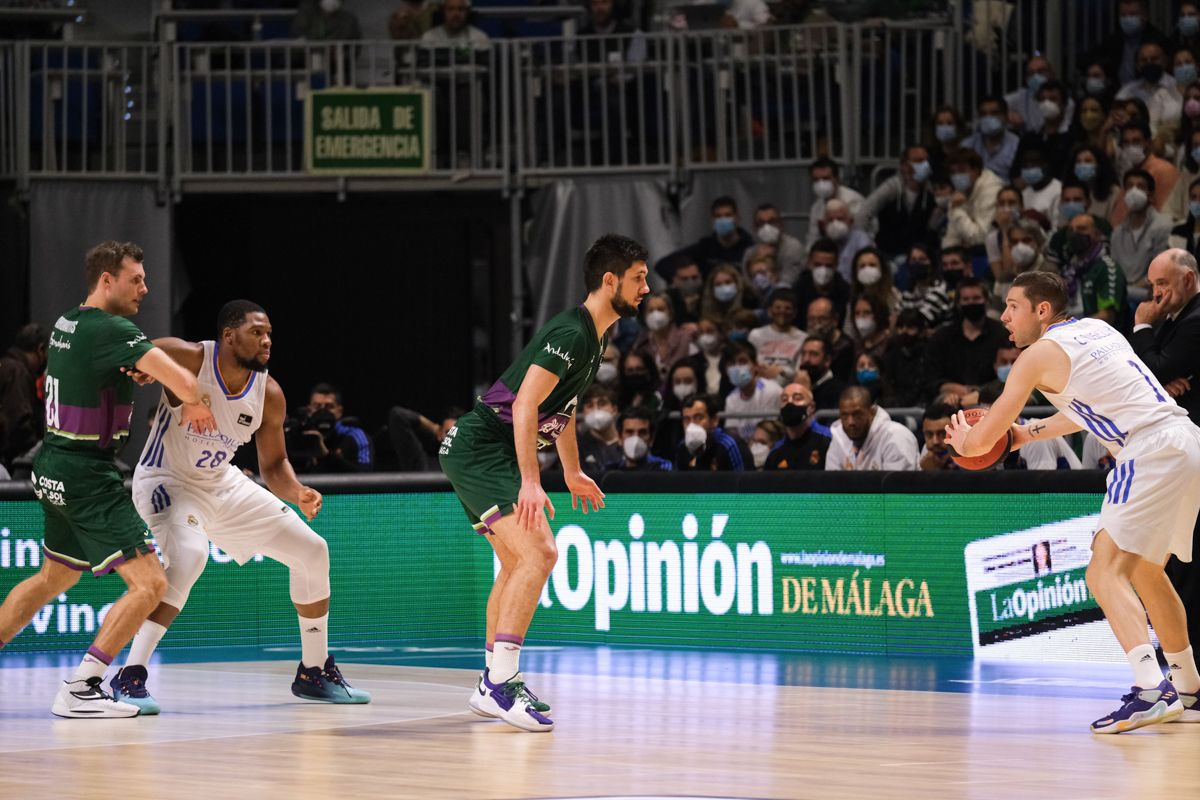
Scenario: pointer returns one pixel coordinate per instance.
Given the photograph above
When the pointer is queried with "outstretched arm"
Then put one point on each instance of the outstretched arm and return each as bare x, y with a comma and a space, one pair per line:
273, 462
161, 365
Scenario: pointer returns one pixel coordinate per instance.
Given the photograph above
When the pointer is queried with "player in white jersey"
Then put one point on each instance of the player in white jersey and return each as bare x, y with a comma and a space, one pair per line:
188, 492
1089, 372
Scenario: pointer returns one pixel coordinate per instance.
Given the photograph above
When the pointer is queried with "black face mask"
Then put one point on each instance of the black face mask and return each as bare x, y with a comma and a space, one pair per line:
974, 311
793, 415
1152, 73
918, 271
637, 381
952, 278
814, 371
1078, 243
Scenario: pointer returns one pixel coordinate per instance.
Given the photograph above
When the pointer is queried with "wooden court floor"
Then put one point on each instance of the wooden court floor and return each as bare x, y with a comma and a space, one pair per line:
235, 731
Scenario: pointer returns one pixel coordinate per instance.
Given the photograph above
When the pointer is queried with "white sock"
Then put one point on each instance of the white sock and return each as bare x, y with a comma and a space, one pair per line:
506, 658
1183, 671
1146, 672
314, 641
94, 665
487, 657
148, 637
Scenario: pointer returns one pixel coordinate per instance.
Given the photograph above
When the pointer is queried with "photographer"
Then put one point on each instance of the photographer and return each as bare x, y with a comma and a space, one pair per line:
321, 439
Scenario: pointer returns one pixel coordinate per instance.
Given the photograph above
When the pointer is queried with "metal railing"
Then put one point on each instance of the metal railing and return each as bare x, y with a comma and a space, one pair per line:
518, 110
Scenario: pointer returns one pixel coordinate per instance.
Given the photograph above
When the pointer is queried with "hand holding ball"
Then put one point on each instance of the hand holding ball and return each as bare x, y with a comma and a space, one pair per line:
998, 452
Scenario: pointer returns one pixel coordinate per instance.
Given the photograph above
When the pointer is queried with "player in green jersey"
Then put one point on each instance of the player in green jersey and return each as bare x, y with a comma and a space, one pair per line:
90, 521
490, 457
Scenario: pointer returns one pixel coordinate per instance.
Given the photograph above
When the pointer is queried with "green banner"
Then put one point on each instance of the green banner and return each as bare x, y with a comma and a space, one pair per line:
865, 573
377, 131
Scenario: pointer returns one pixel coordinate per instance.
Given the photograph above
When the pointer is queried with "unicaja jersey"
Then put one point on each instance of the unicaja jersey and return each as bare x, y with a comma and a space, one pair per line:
89, 401
1110, 392
185, 453
569, 347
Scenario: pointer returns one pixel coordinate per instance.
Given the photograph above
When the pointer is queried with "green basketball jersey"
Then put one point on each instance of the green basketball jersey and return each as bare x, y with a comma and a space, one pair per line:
568, 346
89, 401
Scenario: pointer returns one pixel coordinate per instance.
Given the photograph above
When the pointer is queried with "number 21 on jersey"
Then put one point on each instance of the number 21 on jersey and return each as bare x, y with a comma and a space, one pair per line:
52, 393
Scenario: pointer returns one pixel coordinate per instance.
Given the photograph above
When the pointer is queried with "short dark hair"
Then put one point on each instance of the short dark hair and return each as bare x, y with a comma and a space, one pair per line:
990, 392
938, 410
1053, 86
1139, 173
782, 293
711, 404
723, 201
1043, 287
734, 349
825, 162
826, 348
613, 253
994, 98
965, 157
856, 393
638, 412
823, 245
969, 282
326, 388
30, 337
1139, 125
911, 318
955, 250
233, 314
108, 257
597, 390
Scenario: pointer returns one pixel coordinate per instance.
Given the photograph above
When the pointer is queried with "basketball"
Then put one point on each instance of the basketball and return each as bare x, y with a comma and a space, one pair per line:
991, 458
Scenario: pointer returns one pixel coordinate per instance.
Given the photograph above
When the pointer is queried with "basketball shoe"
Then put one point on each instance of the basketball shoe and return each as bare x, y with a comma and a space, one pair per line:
86, 698
476, 701
1191, 706
129, 686
510, 702
1142, 707
326, 684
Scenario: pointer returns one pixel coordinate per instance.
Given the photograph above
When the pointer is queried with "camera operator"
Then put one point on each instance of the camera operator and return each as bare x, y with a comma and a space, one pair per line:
320, 438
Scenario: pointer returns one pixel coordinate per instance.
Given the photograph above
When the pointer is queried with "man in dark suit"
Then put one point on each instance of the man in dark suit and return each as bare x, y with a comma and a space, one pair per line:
1166, 335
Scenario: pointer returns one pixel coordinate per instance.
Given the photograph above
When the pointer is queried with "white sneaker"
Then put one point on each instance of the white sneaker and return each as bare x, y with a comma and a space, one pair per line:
86, 699
509, 702
477, 697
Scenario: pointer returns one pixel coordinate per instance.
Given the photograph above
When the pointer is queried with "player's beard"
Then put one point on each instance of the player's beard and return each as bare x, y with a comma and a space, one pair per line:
252, 364
622, 307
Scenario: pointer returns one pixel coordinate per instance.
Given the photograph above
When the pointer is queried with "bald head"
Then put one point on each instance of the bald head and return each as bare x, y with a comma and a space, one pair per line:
1174, 279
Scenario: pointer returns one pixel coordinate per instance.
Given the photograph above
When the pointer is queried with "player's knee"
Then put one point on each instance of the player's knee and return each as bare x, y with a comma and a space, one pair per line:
187, 560
319, 553
542, 554
155, 586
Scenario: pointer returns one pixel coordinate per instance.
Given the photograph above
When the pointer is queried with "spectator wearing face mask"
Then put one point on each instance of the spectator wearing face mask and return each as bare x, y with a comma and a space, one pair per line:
822, 279
1155, 87
1089, 127
325, 21
1052, 139
1009, 206
825, 322
727, 243
973, 204
806, 441
662, 341
1119, 51
767, 434
865, 438
1187, 28
1022, 253
687, 285
1094, 169
762, 277
1135, 155
900, 209
955, 269
1095, 282
724, 295
816, 360
868, 373
1189, 170
947, 129
872, 326
609, 371
826, 186
1143, 234
599, 439
638, 439
927, 293
706, 446
873, 279
1187, 236
638, 384
904, 365
709, 362
961, 352
753, 395
778, 343
992, 141
1026, 110
683, 381
838, 226
774, 240
1041, 190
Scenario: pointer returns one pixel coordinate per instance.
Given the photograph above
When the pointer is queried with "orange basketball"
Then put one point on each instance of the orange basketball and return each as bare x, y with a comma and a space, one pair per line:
991, 458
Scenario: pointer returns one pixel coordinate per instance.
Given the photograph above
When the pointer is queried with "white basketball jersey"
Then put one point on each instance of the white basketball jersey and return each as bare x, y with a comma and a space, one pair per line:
1110, 391
185, 453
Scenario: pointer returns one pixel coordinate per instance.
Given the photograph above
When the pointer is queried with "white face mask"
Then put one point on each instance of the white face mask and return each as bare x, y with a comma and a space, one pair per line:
823, 189
657, 320
708, 342
1132, 155
1023, 254
869, 275
1050, 109
330, 6
760, 452
822, 275
598, 419
768, 234
682, 390
694, 437
1136, 199
635, 448
606, 372
837, 230
865, 325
